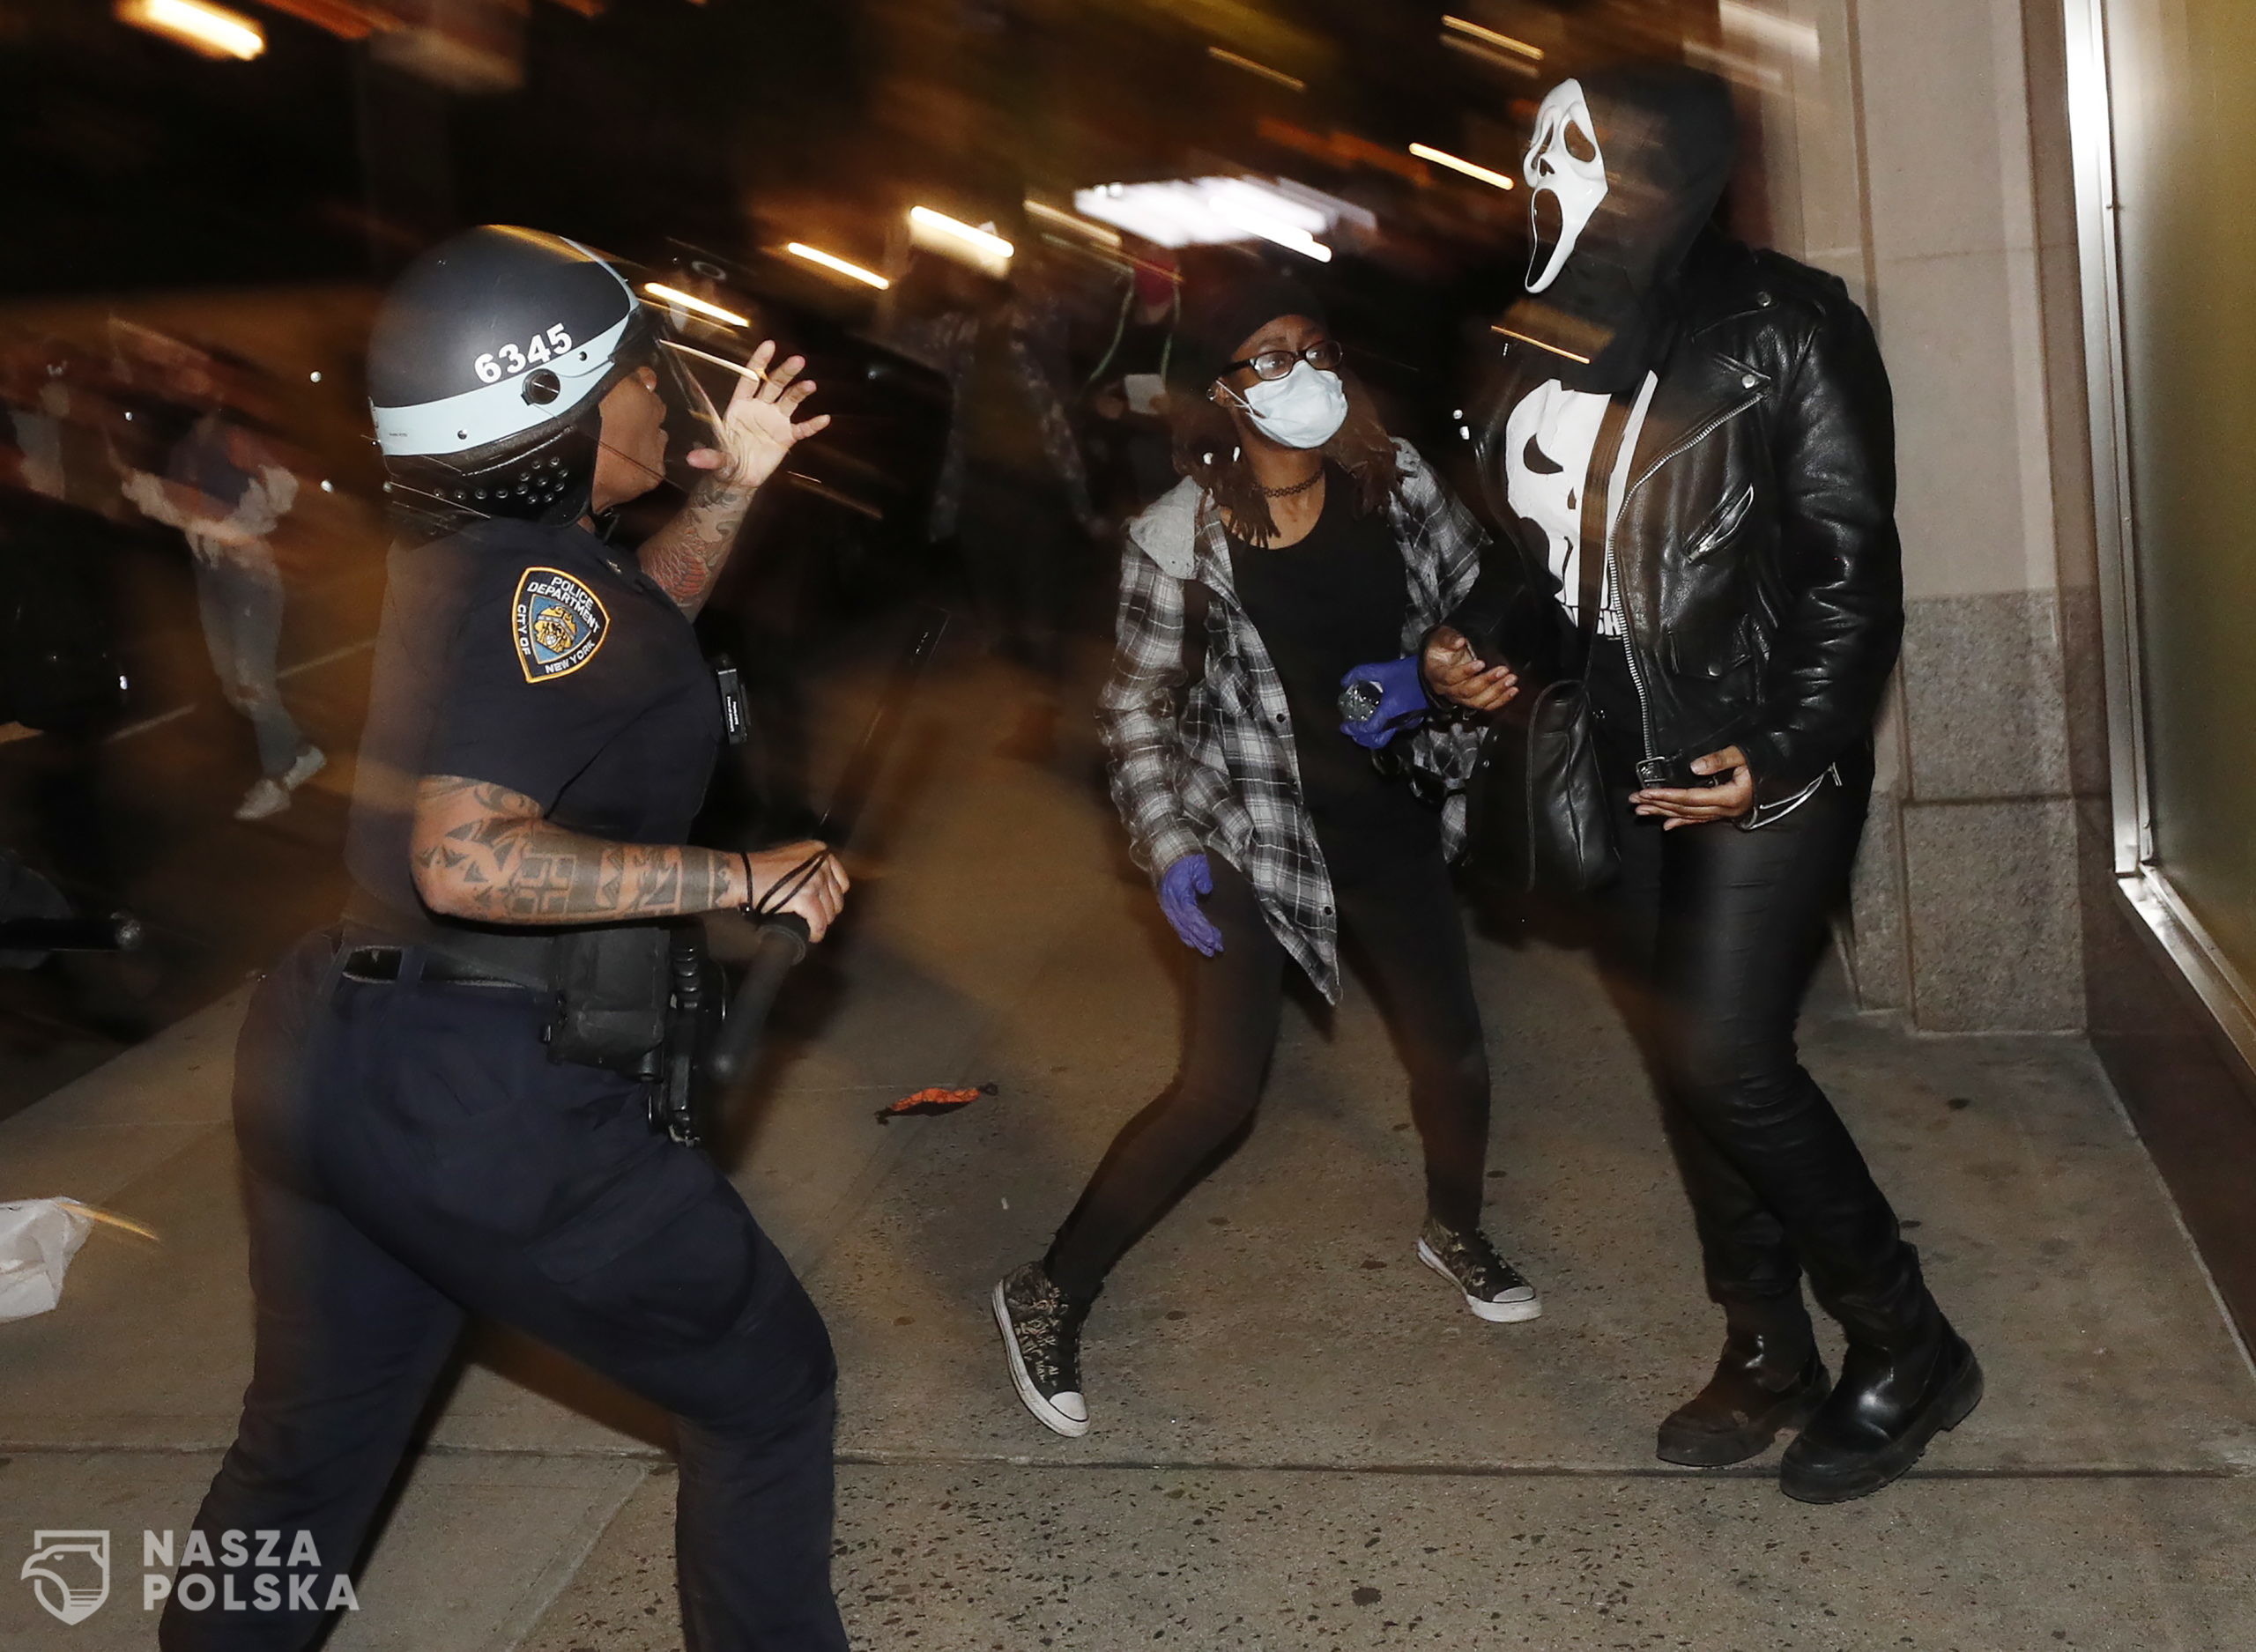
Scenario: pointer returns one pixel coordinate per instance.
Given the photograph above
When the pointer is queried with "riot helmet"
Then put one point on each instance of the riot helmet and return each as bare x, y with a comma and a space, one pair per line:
487, 366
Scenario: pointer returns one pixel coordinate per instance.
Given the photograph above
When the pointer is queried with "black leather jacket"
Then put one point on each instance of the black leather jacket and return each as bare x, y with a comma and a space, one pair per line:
1756, 555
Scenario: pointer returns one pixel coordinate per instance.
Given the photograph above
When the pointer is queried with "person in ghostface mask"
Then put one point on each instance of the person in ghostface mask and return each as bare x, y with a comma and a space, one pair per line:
1300, 539
1690, 444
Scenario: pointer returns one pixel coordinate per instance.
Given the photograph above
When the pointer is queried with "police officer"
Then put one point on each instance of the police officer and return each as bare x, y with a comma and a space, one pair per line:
439, 1104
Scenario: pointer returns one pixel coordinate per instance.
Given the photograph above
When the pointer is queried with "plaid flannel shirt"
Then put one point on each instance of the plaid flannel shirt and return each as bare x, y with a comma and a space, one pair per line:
1209, 768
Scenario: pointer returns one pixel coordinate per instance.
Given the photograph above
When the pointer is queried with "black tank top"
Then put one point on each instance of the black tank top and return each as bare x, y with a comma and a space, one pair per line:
1324, 604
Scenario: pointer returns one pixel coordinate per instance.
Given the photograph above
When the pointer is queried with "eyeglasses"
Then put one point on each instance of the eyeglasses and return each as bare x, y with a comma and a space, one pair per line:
1275, 364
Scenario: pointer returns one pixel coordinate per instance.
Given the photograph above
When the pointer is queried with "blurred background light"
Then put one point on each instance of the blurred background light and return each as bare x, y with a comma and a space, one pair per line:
981, 248
1768, 30
1443, 158
832, 262
1276, 76
1216, 211
1489, 37
1081, 226
690, 302
347, 20
210, 29
1486, 46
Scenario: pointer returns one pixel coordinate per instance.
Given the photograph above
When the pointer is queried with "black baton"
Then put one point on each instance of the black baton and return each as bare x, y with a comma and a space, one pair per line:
780, 942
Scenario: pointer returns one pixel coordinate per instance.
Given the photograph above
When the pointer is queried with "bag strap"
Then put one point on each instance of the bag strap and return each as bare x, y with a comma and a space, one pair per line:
1598, 483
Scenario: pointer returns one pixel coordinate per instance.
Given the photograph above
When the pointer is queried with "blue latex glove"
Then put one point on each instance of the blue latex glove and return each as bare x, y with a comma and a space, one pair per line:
1179, 886
1402, 701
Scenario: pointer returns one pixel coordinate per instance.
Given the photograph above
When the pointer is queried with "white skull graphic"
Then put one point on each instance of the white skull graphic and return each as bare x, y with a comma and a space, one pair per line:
1563, 162
1549, 436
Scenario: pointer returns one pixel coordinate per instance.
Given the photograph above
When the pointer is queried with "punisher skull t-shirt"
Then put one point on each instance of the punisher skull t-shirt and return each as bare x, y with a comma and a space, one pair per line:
1550, 438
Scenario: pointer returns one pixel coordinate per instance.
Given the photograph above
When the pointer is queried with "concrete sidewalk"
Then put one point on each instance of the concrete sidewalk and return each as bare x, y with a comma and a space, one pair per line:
1301, 1440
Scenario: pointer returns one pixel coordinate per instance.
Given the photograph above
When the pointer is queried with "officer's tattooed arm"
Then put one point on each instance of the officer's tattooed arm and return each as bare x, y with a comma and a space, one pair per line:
482, 852
685, 557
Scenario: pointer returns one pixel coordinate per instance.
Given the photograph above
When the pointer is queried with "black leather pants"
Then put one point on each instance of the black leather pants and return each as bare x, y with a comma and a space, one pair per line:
1712, 934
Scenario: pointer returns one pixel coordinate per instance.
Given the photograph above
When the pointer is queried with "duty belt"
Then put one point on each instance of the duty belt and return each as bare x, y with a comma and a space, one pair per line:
492, 957
388, 963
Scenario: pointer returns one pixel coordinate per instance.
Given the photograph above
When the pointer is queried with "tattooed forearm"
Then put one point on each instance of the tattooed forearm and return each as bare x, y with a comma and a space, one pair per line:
687, 555
482, 851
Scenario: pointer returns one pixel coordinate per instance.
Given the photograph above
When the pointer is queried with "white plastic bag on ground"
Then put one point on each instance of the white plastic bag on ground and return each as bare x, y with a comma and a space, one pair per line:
37, 1238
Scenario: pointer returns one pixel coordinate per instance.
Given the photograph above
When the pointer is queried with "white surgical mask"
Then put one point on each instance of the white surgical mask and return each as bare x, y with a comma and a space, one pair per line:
1304, 409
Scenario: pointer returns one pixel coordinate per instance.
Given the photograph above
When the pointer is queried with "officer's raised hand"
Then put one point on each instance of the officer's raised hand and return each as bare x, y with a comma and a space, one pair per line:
760, 425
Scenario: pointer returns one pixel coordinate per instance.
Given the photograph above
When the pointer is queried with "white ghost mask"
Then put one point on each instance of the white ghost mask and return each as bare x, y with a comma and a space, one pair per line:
1565, 162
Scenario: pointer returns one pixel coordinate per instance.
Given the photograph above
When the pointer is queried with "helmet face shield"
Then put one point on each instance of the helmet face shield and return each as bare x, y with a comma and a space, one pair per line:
703, 342
696, 377
692, 374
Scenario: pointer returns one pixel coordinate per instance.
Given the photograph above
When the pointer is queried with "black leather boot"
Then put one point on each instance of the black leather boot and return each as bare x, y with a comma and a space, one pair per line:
1769, 1379
1897, 1391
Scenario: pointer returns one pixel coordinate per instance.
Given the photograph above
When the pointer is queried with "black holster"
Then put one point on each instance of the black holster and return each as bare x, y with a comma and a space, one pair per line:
611, 997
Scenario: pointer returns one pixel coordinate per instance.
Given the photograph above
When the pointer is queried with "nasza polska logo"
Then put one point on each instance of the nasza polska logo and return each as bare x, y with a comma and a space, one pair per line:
267, 1571
69, 1573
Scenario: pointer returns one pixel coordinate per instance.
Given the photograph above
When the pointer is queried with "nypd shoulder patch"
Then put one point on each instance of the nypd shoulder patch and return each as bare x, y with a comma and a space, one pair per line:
557, 623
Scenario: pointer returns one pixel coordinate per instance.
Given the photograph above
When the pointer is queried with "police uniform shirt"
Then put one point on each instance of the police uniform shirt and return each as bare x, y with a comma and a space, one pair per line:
539, 660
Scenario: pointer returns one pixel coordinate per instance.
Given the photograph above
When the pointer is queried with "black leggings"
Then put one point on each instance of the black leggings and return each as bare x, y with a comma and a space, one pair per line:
1405, 922
1713, 934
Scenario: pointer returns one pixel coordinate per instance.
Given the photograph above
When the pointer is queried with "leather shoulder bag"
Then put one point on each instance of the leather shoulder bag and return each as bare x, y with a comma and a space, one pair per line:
1540, 821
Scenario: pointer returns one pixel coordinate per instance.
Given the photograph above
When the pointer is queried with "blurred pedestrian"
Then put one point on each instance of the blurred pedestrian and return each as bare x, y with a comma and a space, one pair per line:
61, 666
226, 490
1301, 540
1130, 443
1013, 490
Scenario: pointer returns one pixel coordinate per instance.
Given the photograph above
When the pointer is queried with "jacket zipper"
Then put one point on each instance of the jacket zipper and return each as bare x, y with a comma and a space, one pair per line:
1614, 574
1628, 649
1693, 440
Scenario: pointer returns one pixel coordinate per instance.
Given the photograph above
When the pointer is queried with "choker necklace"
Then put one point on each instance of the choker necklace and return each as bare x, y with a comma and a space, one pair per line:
1297, 487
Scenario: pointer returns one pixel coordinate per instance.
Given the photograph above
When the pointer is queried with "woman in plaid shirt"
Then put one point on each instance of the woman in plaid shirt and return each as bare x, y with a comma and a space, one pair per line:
1301, 541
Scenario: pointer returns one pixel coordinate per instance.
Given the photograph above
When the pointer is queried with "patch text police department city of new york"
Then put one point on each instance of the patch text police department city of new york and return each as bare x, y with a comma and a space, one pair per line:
557, 623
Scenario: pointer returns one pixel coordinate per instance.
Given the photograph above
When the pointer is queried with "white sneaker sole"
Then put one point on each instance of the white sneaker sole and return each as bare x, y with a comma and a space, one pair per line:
309, 764
1506, 1313
262, 807
1048, 1415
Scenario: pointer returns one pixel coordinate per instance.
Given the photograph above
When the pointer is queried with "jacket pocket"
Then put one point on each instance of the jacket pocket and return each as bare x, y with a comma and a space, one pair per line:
1722, 654
1722, 522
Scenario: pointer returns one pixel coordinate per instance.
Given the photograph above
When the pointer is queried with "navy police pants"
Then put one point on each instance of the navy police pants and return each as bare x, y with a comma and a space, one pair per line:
414, 1156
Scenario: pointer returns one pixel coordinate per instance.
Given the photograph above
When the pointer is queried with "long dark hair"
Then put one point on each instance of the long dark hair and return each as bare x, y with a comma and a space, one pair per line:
1206, 450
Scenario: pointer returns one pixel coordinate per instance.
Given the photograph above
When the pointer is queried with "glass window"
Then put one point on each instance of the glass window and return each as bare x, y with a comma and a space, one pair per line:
2185, 154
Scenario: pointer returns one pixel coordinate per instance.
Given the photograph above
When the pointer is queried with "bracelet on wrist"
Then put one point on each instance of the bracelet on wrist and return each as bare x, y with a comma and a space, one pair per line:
786, 888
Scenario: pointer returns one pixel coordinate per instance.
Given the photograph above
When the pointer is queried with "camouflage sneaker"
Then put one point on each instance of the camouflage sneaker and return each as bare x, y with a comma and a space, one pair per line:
1493, 1287
1042, 1334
